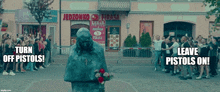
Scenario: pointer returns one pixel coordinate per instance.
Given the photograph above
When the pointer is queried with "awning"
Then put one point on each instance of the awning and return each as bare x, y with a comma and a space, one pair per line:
114, 5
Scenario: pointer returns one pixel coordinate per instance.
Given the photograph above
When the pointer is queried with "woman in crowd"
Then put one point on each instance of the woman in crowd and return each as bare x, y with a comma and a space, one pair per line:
30, 64
204, 48
8, 51
41, 52
20, 43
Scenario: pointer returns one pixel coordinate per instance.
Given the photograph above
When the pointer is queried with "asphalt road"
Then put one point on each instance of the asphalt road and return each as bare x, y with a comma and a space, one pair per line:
129, 77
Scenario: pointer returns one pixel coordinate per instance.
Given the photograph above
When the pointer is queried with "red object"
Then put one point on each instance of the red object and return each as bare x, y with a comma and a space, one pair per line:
100, 79
14, 53
98, 25
76, 17
102, 71
41, 46
87, 17
95, 17
4, 29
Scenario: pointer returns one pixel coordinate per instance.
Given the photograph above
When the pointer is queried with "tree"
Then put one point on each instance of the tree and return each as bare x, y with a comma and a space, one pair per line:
39, 9
216, 11
145, 40
134, 41
1, 7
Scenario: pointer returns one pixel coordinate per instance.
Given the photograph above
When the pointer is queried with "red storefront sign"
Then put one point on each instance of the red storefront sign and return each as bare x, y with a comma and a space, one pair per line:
76, 17
97, 30
94, 17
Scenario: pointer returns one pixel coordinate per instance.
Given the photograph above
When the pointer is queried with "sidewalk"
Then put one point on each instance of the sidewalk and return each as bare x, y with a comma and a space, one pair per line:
111, 60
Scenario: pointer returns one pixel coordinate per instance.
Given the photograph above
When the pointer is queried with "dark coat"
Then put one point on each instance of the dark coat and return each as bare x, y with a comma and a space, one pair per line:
163, 45
78, 71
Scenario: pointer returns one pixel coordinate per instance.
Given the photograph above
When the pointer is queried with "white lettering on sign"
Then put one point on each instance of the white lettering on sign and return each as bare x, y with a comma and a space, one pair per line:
98, 23
97, 37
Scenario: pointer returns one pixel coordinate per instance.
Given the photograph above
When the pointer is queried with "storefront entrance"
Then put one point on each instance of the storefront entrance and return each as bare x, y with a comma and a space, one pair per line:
33, 29
179, 29
113, 38
74, 30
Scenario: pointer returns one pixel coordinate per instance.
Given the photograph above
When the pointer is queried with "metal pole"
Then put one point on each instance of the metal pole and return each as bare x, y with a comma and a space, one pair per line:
60, 25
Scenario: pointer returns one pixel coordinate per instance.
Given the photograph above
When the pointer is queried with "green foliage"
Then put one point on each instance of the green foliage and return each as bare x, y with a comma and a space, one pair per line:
145, 40
130, 41
4, 25
215, 11
39, 9
134, 41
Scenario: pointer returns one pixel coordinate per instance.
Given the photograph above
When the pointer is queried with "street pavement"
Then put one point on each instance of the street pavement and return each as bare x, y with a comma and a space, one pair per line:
136, 76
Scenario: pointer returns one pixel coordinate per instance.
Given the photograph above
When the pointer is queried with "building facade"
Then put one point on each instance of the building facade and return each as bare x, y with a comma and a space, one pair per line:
110, 21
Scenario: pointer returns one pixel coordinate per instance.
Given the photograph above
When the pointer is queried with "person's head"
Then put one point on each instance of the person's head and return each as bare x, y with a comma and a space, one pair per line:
17, 35
184, 39
84, 40
7, 36
22, 38
190, 38
209, 36
213, 40
163, 38
203, 41
167, 40
27, 42
36, 40
196, 43
173, 39
157, 37
20, 42
41, 39
177, 40
50, 37
191, 43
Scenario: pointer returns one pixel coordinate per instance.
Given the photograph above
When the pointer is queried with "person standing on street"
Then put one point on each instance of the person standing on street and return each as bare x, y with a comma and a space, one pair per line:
185, 68
157, 47
47, 51
213, 58
175, 48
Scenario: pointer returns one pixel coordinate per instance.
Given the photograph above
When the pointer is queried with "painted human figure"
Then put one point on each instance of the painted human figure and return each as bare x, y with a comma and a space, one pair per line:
85, 57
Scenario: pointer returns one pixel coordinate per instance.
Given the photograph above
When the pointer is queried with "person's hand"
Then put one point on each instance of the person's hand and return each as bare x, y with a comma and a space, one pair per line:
211, 48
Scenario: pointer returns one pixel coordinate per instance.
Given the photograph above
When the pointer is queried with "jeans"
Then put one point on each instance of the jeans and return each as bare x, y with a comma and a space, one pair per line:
163, 61
30, 65
47, 57
186, 68
157, 56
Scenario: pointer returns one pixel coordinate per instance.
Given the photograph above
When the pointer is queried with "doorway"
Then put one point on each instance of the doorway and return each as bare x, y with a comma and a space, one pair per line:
179, 29
113, 38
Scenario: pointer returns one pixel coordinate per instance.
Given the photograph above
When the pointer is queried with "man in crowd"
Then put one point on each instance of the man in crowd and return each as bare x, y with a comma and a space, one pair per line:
157, 47
185, 68
213, 58
167, 53
47, 51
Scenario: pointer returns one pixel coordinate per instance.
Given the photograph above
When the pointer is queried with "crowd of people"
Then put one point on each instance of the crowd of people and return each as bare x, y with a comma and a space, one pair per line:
39, 47
207, 47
